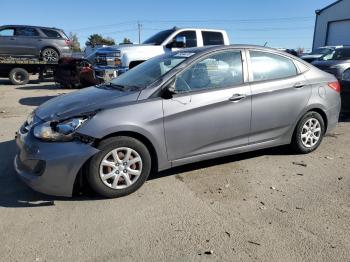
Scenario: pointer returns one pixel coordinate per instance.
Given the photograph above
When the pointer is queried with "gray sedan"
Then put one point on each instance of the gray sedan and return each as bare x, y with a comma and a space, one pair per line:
175, 109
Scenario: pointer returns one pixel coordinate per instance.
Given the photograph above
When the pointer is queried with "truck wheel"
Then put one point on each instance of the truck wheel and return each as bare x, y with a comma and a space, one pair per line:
19, 76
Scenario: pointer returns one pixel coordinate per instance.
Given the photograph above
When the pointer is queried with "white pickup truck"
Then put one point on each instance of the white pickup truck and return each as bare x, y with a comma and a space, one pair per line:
109, 62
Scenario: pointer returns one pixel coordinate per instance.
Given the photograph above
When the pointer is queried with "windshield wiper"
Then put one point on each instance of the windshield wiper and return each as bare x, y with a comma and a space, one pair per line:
115, 86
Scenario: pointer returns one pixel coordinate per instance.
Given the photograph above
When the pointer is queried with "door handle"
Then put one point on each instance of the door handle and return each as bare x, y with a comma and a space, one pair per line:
299, 85
237, 97
12, 38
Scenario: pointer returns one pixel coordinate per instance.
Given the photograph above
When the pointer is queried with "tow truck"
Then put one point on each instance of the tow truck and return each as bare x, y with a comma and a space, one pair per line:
18, 69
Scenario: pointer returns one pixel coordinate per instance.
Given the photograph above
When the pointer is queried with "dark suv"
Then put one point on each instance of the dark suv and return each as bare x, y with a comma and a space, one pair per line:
337, 63
33, 41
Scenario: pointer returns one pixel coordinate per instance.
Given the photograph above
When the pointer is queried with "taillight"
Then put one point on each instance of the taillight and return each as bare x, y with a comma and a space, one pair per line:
67, 41
335, 86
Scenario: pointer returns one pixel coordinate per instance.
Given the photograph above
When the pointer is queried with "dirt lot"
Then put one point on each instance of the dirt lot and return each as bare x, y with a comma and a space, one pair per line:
251, 207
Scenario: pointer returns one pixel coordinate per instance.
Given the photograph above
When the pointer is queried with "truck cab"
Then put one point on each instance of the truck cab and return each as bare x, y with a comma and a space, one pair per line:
111, 62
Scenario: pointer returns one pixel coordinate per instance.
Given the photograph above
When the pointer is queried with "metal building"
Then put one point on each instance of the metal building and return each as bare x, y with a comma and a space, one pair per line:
332, 26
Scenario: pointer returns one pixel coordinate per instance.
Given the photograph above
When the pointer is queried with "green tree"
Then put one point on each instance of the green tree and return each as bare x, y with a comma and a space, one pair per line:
74, 42
97, 39
126, 41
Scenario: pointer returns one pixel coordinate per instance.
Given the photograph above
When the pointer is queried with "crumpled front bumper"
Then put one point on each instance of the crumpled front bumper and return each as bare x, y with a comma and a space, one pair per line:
50, 167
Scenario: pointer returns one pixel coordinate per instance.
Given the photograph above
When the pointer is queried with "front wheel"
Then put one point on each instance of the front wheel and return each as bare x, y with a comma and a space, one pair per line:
308, 133
120, 168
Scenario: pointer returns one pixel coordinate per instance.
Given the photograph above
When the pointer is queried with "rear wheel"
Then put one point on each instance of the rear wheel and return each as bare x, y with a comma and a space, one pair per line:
308, 133
120, 168
19, 76
50, 55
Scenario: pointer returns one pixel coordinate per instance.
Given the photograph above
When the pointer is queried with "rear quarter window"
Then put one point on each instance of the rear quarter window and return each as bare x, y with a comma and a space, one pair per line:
52, 33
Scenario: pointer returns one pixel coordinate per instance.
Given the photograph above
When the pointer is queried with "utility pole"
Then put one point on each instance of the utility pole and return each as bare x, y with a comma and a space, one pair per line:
139, 29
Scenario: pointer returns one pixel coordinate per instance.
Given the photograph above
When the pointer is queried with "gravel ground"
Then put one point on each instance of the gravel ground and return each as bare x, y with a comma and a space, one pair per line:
260, 206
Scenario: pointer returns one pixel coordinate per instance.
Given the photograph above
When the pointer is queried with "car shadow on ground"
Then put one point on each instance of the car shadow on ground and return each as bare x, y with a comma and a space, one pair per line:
34, 101
15, 194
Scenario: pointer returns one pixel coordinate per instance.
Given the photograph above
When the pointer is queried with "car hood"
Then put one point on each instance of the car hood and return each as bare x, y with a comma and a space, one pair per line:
84, 101
142, 48
325, 64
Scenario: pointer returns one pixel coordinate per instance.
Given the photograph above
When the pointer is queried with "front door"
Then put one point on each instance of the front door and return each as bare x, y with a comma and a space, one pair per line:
7, 40
211, 110
27, 41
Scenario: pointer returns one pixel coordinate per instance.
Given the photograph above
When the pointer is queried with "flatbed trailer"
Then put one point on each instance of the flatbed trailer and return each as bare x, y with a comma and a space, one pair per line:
18, 70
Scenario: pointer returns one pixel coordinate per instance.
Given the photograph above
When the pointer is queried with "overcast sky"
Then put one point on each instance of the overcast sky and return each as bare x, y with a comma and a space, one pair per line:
281, 23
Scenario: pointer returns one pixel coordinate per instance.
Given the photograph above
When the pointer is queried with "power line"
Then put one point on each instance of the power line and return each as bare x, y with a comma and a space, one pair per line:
224, 21
282, 19
101, 26
251, 29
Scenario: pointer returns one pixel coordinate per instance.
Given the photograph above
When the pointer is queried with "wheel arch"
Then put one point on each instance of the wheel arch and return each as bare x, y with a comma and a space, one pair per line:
323, 115
50, 46
143, 139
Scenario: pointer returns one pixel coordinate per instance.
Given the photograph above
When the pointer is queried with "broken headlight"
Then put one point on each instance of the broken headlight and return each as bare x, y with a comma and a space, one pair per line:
58, 131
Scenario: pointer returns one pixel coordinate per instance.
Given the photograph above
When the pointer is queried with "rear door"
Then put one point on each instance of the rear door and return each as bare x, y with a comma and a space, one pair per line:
7, 40
279, 95
212, 109
27, 41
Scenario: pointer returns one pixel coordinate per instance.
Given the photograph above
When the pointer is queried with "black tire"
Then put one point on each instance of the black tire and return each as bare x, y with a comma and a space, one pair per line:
297, 143
50, 54
106, 146
19, 76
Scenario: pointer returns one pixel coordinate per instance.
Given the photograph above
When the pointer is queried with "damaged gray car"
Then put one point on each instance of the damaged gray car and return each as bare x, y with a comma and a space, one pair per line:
174, 109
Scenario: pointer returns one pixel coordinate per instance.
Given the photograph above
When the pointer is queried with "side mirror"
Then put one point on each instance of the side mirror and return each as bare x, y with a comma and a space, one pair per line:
180, 41
169, 90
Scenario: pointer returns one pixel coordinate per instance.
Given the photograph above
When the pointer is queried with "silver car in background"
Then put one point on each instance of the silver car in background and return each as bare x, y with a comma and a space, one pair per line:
174, 109
47, 43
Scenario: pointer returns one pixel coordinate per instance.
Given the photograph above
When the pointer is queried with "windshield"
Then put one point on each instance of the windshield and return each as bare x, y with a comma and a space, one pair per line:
338, 54
321, 51
148, 72
159, 38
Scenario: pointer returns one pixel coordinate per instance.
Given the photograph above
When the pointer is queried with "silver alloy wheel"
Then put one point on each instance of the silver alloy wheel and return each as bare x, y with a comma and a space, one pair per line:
120, 168
311, 132
50, 55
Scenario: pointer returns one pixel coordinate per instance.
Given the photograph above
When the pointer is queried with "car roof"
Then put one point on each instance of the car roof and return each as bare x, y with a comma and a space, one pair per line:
232, 46
33, 26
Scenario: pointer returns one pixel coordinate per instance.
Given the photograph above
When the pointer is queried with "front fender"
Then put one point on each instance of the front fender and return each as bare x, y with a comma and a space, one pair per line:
144, 118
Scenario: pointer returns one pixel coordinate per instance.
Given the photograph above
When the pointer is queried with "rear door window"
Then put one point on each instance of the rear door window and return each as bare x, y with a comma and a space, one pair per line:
51, 33
7, 32
191, 38
342, 54
212, 38
268, 66
26, 31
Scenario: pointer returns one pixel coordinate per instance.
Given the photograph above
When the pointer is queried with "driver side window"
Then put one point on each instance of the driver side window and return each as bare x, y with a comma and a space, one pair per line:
191, 38
216, 71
